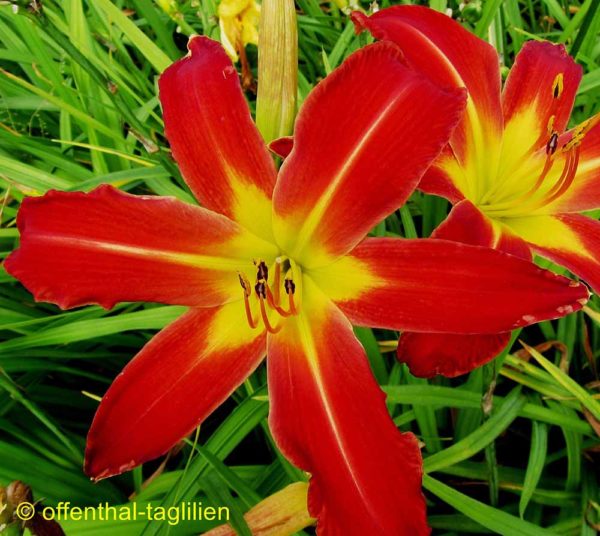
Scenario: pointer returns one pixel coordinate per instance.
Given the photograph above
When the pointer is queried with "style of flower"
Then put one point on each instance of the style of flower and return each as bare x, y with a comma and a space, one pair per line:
516, 177
278, 264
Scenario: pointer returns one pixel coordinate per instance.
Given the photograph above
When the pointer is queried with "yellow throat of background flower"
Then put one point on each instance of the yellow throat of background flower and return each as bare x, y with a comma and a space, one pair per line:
238, 20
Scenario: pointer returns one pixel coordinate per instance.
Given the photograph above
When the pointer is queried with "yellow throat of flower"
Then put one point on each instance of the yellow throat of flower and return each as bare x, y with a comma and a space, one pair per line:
538, 177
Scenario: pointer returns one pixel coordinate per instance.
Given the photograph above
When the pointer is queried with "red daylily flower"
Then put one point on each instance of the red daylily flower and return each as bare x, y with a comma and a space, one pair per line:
301, 232
518, 180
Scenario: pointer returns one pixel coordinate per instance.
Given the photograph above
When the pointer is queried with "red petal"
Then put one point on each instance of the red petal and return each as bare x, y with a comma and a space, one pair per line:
217, 146
401, 125
513, 244
570, 240
468, 225
530, 88
282, 146
451, 57
329, 417
437, 181
179, 378
108, 246
431, 285
428, 354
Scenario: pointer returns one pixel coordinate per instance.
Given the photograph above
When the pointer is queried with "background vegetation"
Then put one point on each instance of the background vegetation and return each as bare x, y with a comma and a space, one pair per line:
510, 448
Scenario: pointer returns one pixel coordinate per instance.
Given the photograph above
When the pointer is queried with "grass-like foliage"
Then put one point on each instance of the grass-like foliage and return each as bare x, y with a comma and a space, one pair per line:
511, 448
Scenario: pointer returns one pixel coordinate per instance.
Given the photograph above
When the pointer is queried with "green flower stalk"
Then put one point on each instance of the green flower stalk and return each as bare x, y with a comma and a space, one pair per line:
277, 69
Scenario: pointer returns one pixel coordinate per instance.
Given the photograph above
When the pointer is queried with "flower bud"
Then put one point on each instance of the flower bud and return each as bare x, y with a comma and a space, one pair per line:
277, 69
284, 512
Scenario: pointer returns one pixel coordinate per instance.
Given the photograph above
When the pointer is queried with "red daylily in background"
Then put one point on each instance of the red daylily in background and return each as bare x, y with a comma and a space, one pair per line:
516, 178
282, 267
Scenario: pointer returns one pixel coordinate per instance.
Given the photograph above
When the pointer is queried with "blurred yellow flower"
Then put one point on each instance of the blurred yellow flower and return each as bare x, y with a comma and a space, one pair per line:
238, 20
168, 6
346, 6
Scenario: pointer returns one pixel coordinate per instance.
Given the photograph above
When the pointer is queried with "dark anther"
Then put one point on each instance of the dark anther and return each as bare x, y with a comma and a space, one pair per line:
552, 144
261, 289
556, 91
289, 286
263, 271
242, 282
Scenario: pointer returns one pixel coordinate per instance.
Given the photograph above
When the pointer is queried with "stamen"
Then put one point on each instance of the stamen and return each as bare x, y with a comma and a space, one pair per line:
295, 295
550, 125
558, 86
565, 173
570, 151
547, 167
290, 290
557, 89
293, 308
552, 144
538, 183
263, 271
269, 296
289, 286
272, 303
277, 280
244, 283
580, 132
563, 183
253, 323
246, 287
261, 288
265, 317
566, 179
